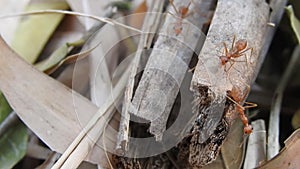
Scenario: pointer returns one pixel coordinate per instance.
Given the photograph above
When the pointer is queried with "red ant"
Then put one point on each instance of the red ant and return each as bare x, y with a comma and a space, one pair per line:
235, 96
181, 13
237, 49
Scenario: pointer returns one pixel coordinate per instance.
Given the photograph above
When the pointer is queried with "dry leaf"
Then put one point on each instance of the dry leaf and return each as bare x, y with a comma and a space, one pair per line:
256, 146
288, 158
52, 111
138, 15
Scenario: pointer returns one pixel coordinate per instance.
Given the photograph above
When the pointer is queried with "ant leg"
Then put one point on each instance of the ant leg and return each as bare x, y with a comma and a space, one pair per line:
233, 41
189, 4
236, 103
174, 7
226, 49
231, 64
244, 53
249, 105
226, 54
247, 50
251, 55
227, 70
172, 14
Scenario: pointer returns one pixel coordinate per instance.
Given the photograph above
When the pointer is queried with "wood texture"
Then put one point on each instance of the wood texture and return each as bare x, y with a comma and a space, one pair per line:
150, 26
243, 19
248, 20
166, 67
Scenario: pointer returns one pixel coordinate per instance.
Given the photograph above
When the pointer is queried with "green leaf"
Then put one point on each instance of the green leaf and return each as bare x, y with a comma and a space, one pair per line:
53, 59
13, 142
13, 146
4, 108
121, 5
33, 32
294, 21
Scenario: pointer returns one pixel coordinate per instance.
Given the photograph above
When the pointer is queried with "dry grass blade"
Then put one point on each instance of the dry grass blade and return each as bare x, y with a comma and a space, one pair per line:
49, 11
53, 59
256, 148
294, 21
277, 7
51, 66
77, 151
273, 132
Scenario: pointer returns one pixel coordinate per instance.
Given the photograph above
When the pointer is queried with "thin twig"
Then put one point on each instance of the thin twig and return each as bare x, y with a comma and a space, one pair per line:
273, 132
51, 11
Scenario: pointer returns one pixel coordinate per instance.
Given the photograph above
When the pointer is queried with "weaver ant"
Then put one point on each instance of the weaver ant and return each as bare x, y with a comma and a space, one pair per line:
237, 49
235, 96
180, 14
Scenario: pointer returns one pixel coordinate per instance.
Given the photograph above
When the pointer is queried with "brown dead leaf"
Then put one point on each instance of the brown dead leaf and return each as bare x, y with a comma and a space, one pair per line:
288, 158
142, 8
136, 20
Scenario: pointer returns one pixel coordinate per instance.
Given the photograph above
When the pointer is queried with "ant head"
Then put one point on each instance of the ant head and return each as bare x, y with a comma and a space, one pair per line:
248, 129
241, 44
223, 59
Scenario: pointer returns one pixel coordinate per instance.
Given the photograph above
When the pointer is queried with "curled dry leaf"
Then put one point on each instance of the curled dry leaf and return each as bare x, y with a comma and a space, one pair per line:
58, 58
53, 59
